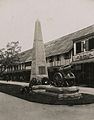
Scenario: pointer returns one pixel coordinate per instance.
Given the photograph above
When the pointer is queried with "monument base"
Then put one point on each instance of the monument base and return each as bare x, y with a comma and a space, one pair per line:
59, 93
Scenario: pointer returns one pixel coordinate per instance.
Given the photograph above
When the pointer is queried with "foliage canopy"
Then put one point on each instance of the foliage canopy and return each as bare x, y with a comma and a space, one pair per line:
9, 56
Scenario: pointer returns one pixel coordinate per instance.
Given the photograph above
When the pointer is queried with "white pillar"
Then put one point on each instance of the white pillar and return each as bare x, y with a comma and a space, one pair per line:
74, 48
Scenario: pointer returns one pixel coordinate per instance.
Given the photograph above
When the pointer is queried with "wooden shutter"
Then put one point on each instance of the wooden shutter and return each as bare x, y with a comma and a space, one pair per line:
86, 45
82, 46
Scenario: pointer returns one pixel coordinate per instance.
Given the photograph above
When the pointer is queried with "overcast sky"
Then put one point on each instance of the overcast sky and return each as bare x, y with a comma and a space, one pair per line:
57, 17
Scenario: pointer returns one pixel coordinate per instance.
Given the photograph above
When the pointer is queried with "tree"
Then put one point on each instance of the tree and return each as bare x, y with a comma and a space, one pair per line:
9, 56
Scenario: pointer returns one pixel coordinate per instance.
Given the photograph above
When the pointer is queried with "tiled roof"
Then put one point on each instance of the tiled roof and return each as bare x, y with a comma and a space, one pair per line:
26, 56
65, 43
59, 46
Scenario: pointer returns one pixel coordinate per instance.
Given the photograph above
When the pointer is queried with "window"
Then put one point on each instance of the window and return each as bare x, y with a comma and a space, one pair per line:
42, 70
51, 59
82, 46
67, 55
91, 43
28, 64
86, 45
58, 58
78, 47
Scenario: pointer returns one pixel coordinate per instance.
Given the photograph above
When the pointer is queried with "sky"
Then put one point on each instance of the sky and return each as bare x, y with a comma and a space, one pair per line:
57, 17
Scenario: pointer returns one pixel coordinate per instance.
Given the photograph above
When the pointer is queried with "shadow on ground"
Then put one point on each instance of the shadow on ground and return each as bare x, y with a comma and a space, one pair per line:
14, 90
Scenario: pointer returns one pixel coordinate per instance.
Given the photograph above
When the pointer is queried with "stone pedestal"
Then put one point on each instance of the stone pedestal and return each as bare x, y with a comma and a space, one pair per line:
61, 93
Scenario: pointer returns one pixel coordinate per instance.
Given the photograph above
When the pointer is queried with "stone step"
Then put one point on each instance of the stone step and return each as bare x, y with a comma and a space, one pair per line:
63, 90
59, 90
59, 96
43, 92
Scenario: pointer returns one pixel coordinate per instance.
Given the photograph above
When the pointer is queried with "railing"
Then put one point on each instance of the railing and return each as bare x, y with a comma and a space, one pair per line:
83, 55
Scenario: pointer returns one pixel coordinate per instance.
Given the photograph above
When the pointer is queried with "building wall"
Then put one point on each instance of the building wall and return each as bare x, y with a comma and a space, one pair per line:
59, 60
83, 60
86, 49
19, 72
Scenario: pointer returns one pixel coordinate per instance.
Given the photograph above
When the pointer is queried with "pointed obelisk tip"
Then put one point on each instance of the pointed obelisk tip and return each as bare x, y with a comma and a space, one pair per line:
37, 20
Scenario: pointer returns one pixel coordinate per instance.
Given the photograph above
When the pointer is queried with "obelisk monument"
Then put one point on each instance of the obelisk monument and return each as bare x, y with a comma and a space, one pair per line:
38, 67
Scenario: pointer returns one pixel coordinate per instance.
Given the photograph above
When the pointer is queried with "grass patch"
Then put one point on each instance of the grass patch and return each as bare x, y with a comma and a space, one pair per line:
14, 90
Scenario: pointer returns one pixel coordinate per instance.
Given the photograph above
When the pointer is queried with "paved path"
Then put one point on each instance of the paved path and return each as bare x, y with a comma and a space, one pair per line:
87, 90
14, 82
13, 108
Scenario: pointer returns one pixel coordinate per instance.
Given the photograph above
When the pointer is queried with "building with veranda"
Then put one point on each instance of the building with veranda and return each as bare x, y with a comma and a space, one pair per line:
76, 49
